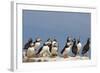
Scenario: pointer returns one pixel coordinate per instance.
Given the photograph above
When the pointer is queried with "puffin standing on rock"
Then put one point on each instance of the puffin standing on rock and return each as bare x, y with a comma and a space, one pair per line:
29, 46
26, 46
65, 51
31, 51
54, 48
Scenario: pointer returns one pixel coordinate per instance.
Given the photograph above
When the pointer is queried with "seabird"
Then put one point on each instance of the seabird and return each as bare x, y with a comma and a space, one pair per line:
31, 51
26, 46
65, 51
54, 48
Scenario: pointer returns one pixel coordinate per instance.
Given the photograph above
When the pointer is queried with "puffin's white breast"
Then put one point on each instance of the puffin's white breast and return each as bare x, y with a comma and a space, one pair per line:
45, 48
79, 45
45, 51
54, 48
37, 44
67, 50
30, 51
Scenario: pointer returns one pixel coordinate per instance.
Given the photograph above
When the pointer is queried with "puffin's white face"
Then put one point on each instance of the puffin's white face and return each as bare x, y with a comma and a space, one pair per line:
32, 44
68, 43
70, 38
54, 42
48, 42
38, 39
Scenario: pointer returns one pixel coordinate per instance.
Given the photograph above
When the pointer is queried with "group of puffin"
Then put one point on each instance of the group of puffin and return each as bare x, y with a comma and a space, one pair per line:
50, 48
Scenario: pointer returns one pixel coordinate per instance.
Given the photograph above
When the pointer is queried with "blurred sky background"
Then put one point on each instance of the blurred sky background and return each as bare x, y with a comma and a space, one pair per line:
59, 25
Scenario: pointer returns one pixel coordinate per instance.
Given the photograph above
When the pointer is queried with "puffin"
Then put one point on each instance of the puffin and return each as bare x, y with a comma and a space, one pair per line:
65, 51
79, 45
86, 47
74, 48
37, 42
44, 51
31, 51
54, 48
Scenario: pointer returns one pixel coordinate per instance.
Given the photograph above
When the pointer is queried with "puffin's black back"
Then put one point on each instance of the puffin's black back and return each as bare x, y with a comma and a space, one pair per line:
74, 48
27, 45
86, 47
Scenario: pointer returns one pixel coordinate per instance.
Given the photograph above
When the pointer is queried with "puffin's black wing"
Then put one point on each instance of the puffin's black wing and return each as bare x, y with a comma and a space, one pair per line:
50, 47
63, 50
39, 50
26, 46
85, 49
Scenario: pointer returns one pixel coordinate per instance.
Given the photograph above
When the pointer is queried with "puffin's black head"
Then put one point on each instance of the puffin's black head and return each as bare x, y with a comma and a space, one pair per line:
78, 40
45, 44
48, 39
68, 40
55, 40
74, 41
38, 39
